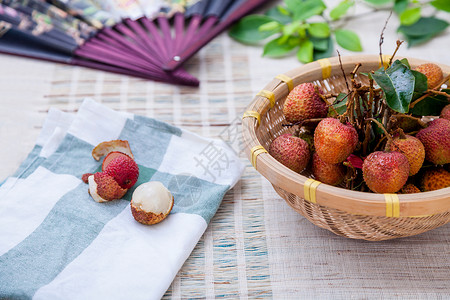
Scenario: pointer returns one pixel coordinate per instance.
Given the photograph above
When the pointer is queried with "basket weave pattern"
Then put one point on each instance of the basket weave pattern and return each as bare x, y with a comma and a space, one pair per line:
348, 213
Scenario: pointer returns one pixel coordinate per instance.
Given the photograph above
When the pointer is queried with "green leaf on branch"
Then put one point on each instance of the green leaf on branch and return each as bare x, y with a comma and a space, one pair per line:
341, 9
431, 106
423, 30
280, 14
340, 104
410, 16
397, 83
319, 30
378, 2
280, 46
441, 5
323, 48
420, 84
400, 6
348, 39
270, 26
305, 53
306, 9
247, 29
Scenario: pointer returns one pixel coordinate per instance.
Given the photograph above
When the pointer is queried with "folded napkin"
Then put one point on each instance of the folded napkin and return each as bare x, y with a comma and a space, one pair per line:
56, 242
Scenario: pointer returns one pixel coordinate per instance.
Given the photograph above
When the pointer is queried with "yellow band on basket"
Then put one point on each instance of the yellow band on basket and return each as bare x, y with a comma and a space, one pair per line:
309, 189
252, 113
386, 58
392, 205
286, 79
269, 95
257, 150
325, 64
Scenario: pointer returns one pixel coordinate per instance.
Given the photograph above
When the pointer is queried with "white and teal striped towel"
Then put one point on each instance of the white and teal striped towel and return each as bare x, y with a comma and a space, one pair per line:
57, 243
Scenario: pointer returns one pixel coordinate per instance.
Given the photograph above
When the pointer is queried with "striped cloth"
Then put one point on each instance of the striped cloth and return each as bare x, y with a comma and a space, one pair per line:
57, 243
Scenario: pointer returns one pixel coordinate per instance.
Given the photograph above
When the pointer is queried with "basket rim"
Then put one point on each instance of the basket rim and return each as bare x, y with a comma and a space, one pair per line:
354, 202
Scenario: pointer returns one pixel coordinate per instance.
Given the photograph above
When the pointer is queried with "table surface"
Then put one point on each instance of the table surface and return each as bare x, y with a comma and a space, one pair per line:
256, 246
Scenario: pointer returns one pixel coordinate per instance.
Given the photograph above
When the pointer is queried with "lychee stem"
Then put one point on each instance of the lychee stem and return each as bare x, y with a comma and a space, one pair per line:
418, 120
382, 128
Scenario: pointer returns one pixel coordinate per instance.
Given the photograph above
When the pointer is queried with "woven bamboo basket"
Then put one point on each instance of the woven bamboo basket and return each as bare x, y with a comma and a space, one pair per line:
353, 214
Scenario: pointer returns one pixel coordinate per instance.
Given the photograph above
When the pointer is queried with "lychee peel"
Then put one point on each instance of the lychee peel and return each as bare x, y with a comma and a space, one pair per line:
332, 174
433, 73
291, 151
435, 179
445, 113
303, 102
104, 188
436, 140
412, 148
104, 148
124, 170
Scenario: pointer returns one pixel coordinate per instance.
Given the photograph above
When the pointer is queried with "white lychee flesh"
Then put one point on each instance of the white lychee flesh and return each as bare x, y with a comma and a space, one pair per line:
152, 197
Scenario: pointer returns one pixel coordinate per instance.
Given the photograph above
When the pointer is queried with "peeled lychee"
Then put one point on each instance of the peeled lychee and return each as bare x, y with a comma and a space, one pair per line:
334, 141
436, 140
151, 203
412, 148
332, 174
303, 102
385, 172
291, 151
409, 188
103, 188
445, 112
433, 72
124, 170
434, 179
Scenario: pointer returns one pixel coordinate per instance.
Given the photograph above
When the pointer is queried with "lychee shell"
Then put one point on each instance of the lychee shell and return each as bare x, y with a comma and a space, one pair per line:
148, 218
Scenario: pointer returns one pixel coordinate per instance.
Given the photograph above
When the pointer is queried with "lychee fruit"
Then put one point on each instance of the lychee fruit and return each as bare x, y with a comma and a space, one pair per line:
304, 102
434, 179
151, 202
433, 73
385, 172
103, 188
104, 148
411, 147
445, 112
332, 174
334, 141
293, 152
409, 188
436, 140
124, 170
111, 156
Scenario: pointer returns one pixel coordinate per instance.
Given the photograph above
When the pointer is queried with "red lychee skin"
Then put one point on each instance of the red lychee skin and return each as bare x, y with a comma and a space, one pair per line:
107, 187
412, 148
385, 172
435, 179
291, 151
433, 72
304, 103
445, 113
334, 141
409, 188
436, 140
124, 170
85, 177
332, 174
111, 156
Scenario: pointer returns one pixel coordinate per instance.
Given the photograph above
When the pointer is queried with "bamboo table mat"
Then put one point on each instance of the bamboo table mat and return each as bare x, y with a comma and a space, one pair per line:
256, 246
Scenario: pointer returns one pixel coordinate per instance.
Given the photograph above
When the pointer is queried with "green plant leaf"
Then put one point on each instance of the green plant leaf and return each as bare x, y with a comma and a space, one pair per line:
378, 2
247, 29
278, 47
320, 30
400, 6
397, 83
348, 39
340, 103
424, 26
405, 62
420, 84
431, 106
270, 26
308, 8
280, 14
327, 48
305, 52
319, 44
410, 16
441, 4
341, 9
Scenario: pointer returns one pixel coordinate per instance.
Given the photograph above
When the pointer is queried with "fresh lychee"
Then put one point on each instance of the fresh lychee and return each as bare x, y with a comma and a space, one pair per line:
103, 188
411, 147
434, 179
303, 102
332, 174
409, 188
436, 140
385, 172
334, 141
433, 72
111, 156
291, 151
124, 170
445, 113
